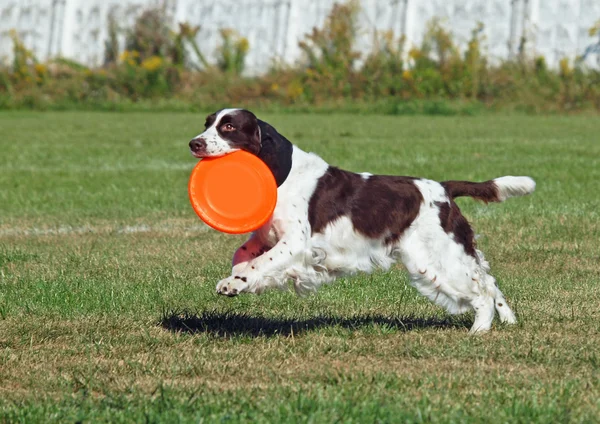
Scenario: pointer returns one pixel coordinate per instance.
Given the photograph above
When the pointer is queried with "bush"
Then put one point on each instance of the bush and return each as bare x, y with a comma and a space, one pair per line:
329, 52
231, 54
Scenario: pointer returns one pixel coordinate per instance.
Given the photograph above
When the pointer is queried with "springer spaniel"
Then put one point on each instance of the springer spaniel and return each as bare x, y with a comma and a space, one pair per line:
329, 222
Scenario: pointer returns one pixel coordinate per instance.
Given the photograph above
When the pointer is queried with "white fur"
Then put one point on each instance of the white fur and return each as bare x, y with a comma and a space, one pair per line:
438, 266
513, 186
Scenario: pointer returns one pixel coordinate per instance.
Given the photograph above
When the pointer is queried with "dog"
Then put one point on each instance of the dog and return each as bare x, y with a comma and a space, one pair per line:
330, 223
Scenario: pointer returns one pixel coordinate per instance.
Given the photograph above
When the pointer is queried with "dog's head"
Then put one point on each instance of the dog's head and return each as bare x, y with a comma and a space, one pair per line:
226, 131
229, 130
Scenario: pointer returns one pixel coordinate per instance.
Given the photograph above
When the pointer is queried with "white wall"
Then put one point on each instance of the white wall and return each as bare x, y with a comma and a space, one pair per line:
77, 29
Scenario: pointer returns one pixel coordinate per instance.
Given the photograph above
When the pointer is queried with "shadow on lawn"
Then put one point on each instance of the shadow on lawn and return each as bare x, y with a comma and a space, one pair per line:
227, 324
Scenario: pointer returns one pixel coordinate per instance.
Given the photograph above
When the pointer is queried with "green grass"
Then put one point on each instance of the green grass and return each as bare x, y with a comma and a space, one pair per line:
107, 303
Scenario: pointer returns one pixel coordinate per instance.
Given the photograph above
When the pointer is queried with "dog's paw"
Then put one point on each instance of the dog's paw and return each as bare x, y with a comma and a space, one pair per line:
232, 286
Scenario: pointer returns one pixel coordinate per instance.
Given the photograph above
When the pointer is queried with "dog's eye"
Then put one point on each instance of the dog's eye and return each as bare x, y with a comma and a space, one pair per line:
228, 127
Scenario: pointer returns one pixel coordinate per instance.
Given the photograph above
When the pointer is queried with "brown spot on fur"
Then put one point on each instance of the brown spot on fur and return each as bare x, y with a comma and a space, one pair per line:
500, 304
486, 191
453, 222
376, 206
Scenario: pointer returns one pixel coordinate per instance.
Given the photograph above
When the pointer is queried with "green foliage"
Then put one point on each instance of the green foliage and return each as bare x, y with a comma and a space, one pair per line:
231, 54
23, 58
329, 51
150, 35
159, 63
188, 33
383, 67
111, 45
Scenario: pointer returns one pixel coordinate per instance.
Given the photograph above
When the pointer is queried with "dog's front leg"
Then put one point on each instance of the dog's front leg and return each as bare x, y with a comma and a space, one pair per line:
268, 269
253, 248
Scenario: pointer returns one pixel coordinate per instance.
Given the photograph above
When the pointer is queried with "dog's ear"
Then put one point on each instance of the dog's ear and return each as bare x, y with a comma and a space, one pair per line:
256, 139
210, 119
276, 151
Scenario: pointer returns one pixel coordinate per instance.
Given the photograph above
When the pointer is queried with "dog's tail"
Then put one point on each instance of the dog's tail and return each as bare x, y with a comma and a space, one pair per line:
496, 190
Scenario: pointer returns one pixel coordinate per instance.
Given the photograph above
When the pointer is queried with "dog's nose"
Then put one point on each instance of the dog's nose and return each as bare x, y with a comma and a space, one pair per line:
197, 145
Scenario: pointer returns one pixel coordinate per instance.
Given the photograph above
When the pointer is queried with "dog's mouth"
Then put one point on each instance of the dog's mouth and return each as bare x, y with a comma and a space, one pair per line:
199, 155
203, 155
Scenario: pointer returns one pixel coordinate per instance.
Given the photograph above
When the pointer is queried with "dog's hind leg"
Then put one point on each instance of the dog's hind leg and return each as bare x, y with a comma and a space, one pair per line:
441, 270
440, 253
504, 312
483, 305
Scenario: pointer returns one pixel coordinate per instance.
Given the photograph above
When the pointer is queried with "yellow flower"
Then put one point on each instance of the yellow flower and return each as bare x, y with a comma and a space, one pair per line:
388, 37
152, 63
274, 86
407, 75
414, 53
243, 45
128, 56
565, 69
595, 29
227, 32
294, 90
124, 56
40, 69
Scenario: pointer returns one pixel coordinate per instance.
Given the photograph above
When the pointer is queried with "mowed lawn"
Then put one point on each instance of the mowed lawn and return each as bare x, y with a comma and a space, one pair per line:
108, 309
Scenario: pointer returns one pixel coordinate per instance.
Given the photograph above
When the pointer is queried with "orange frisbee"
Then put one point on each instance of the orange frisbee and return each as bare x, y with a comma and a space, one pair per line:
234, 194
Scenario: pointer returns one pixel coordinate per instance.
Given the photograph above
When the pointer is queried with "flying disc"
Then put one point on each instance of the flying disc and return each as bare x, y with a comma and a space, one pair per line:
235, 193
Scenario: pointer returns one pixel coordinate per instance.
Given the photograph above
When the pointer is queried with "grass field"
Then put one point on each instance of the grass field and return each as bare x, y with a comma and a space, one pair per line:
107, 302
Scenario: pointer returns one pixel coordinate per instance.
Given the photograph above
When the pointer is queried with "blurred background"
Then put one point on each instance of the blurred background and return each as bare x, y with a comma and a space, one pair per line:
528, 54
108, 310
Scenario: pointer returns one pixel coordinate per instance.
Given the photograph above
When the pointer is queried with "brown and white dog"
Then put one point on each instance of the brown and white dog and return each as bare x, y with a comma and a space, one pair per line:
329, 223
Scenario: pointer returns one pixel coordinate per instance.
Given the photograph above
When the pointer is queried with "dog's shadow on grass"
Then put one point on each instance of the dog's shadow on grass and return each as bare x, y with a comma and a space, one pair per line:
228, 324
